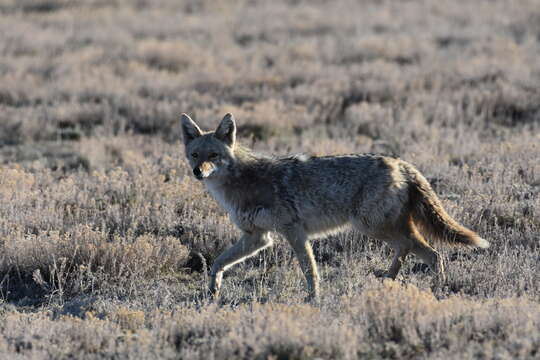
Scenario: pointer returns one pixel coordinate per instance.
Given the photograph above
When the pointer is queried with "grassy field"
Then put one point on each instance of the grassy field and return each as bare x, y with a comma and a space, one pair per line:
106, 237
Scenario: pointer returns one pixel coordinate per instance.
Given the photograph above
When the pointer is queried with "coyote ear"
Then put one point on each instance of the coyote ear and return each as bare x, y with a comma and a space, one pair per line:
226, 131
190, 130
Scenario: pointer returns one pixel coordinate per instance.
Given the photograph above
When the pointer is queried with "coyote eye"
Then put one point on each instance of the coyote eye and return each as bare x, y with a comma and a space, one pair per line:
194, 155
213, 156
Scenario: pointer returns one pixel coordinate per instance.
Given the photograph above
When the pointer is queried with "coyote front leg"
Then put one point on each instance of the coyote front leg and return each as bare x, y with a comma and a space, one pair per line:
304, 252
248, 245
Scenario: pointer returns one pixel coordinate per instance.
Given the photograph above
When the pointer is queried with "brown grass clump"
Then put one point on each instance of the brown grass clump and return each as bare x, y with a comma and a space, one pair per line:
106, 237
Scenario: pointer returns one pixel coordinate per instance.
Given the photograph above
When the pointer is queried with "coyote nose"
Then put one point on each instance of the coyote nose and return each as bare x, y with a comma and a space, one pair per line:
197, 172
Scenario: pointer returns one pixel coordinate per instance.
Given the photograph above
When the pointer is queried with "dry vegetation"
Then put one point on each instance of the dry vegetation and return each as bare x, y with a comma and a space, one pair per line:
100, 220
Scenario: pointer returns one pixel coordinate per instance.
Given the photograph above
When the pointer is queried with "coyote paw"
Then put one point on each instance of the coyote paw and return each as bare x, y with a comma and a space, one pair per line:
215, 285
213, 293
312, 299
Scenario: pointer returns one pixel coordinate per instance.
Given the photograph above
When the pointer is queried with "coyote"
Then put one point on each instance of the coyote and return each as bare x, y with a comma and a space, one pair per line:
303, 197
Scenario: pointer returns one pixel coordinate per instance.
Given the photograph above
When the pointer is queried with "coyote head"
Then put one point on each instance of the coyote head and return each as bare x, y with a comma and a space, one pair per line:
209, 153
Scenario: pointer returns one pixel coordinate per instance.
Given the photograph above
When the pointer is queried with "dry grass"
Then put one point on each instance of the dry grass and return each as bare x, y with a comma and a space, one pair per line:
101, 224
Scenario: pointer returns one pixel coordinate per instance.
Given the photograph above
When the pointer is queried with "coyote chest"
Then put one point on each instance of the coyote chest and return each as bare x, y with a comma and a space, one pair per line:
247, 212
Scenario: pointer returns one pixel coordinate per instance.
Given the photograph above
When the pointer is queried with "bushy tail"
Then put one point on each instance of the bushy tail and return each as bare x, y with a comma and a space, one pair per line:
429, 215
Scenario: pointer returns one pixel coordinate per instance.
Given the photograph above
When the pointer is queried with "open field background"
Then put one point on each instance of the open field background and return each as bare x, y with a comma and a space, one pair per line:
100, 218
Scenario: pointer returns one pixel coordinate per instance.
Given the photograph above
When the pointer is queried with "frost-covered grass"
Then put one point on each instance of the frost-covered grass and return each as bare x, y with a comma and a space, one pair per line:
105, 237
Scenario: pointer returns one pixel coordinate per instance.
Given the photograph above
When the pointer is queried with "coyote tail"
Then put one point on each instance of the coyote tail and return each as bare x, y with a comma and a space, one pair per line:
430, 216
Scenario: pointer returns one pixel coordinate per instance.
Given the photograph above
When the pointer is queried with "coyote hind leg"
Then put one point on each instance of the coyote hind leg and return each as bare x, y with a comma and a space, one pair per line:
424, 251
404, 239
432, 258
399, 259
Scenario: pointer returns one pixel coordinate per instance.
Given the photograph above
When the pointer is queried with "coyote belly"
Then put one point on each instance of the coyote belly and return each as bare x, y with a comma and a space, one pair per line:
303, 197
